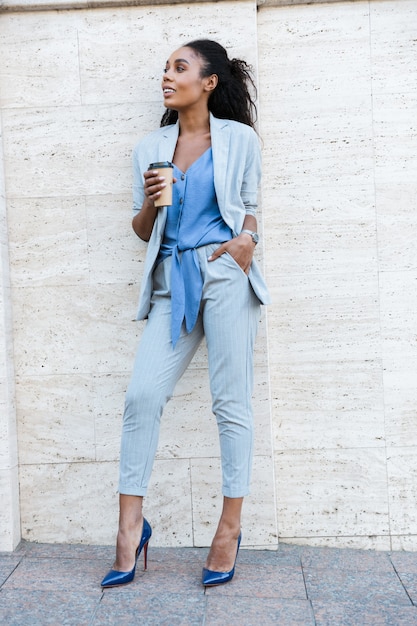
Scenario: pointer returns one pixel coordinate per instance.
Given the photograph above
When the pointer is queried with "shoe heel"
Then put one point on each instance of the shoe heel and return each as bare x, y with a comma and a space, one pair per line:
145, 556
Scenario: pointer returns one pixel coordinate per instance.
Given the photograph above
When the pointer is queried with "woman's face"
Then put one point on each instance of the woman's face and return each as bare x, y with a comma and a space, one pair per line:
182, 84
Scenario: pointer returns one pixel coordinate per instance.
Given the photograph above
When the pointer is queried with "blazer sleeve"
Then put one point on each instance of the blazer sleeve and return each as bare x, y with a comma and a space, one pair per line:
138, 188
252, 173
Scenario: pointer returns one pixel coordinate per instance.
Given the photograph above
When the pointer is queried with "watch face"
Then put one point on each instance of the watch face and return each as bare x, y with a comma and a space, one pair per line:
255, 237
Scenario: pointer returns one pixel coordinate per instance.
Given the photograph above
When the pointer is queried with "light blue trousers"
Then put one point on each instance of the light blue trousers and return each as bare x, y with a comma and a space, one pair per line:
228, 318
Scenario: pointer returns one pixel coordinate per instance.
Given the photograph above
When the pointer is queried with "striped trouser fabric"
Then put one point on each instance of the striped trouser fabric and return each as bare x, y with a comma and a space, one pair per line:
229, 315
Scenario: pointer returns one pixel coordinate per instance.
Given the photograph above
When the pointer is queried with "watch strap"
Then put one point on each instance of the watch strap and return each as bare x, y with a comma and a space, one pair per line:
255, 236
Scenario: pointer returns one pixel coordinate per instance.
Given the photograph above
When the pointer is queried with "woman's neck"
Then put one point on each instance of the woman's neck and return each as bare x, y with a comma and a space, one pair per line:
193, 140
193, 124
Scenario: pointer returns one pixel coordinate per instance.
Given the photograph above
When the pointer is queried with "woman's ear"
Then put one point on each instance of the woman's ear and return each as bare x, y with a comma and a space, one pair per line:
211, 82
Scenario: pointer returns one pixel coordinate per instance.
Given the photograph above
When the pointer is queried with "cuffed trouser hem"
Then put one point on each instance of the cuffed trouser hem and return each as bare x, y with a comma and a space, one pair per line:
228, 493
135, 491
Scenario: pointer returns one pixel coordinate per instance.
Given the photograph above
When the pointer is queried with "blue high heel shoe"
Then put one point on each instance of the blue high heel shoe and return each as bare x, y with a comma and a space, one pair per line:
211, 578
115, 578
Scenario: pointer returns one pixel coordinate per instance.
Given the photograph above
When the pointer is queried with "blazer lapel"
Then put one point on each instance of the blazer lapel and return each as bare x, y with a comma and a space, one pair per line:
168, 142
220, 139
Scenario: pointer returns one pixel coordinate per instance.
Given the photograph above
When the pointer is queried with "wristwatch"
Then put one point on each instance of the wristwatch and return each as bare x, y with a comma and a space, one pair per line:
255, 236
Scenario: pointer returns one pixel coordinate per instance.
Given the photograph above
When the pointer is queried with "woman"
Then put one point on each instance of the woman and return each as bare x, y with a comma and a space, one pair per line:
199, 279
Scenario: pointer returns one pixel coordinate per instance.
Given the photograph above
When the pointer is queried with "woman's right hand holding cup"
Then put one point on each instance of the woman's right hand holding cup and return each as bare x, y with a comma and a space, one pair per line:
144, 220
154, 184
157, 193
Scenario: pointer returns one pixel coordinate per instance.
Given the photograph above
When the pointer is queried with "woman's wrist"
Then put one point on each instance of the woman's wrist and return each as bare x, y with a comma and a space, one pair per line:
250, 233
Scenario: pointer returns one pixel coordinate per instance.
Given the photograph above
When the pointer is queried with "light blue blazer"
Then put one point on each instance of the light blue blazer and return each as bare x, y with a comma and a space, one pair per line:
237, 173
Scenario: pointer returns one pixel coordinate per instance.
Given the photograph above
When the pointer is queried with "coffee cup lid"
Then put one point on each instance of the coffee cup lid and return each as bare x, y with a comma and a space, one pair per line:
160, 164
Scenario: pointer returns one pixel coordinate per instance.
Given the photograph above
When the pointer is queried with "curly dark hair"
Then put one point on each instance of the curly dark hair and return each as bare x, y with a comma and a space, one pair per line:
232, 98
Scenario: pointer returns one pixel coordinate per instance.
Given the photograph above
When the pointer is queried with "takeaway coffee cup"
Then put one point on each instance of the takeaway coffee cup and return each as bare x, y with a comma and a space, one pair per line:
164, 168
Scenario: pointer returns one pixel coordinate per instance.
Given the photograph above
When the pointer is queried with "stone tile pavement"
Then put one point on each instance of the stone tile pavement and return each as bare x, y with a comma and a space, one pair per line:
58, 584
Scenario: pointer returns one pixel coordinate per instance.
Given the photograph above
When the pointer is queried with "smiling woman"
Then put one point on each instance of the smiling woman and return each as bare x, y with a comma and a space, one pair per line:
184, 87
231, 99
199, 280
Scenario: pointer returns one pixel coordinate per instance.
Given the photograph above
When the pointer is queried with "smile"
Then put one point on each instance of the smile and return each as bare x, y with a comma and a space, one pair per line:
167, 90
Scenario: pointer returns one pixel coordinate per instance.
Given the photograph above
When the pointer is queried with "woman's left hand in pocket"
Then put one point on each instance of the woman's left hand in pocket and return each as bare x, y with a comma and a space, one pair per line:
241, 248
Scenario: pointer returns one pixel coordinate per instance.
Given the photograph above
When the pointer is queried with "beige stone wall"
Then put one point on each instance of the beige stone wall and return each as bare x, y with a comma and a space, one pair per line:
337, 91
338, 110
78, 89
9, 483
